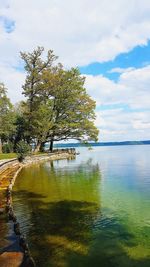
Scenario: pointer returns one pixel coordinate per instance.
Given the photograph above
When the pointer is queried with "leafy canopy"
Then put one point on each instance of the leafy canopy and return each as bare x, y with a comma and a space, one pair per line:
58, 106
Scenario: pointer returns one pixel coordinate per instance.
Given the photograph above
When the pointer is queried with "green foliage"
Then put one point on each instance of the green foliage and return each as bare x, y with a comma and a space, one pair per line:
7, 156
22, 150
38, 106
57, 106
21, 124
6, 113
7, 117
73, 109
8, 147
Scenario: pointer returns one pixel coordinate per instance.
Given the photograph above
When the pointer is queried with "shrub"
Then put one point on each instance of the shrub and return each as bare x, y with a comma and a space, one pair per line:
22, 150
7, 148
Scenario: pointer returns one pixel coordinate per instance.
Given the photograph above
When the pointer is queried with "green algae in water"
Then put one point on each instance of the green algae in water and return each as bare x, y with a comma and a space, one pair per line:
92, 211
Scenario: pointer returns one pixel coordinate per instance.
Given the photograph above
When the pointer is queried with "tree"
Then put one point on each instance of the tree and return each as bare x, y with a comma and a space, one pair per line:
37, 106
22, 150
42, 124
57, 106
72, 108
21, 124
7, 117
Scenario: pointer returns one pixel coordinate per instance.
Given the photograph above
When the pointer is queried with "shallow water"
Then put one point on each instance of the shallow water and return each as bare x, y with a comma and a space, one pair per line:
88, 212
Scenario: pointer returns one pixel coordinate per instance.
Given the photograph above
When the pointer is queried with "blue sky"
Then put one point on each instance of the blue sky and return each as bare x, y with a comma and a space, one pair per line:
8, 24
138, 57
108, 42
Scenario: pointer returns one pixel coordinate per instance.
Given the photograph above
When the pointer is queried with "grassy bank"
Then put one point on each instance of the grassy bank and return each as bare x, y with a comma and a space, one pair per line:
8, 156
14, 155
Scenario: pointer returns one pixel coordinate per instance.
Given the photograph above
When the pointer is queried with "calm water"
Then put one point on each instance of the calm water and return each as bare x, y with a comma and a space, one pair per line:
88, 212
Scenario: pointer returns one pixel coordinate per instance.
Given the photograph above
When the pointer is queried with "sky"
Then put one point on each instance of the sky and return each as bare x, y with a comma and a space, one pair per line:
109, 41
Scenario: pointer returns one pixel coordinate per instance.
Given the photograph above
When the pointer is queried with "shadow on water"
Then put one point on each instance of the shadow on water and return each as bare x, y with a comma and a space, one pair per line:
3, 231
63, 235
4, 227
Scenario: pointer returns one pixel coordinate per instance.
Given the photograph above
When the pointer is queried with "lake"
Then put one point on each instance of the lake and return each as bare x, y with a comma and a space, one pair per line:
90, 211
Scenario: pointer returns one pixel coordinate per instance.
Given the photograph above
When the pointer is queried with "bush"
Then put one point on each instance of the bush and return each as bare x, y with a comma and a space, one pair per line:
7, 148
22, 150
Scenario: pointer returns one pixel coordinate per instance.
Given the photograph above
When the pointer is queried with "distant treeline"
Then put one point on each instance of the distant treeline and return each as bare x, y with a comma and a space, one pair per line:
123, 143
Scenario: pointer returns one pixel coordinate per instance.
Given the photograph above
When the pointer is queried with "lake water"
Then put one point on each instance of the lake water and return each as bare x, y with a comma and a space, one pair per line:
91, 211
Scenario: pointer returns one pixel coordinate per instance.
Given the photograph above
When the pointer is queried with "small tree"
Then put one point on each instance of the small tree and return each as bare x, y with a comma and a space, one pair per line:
8, 147
21, 124
22, 150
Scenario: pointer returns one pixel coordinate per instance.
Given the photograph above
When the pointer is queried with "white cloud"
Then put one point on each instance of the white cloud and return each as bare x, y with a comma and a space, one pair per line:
13, 81
118, 125
132, 88
105, 91
80, 31
137, 84
120, 70
132, 91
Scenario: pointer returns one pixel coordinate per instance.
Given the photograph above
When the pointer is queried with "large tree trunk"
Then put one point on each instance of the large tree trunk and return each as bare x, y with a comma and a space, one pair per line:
42, 147
51, 145
0, 145
37, 148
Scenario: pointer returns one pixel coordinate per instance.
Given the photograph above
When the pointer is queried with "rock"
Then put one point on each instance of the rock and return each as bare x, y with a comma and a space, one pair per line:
8, 200
29, 262
11, 215
17, 228
8, 207
2, 211
14, 219
23, 243
8, 194
10, 187
11, 259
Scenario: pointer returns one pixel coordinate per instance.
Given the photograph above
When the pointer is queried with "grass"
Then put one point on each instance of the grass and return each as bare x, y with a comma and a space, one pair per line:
14, 155
8, 156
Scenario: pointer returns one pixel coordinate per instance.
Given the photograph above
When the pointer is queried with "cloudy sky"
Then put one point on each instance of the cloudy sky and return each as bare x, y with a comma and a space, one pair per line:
107, 40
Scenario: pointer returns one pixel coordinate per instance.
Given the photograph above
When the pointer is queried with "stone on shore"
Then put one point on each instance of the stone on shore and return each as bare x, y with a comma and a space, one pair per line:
11, 259
2, 211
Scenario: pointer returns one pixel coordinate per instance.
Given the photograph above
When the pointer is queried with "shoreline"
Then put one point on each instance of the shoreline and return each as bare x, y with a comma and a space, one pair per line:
19, 254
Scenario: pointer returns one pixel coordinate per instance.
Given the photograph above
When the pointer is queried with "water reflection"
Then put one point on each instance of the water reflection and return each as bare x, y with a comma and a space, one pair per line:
3, 222
63, 209
75, 214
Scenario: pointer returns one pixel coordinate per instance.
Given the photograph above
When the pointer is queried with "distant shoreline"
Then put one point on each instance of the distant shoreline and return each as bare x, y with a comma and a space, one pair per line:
122, 143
